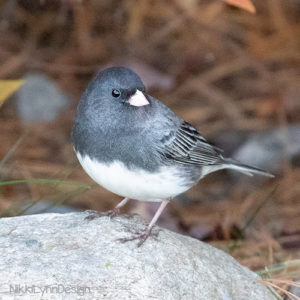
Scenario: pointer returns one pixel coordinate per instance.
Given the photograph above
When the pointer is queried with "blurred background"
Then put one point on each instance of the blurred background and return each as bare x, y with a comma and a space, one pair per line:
231, 68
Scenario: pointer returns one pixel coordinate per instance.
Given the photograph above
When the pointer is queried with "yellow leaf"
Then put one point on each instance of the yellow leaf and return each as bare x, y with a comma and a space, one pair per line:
244, 4
7, 87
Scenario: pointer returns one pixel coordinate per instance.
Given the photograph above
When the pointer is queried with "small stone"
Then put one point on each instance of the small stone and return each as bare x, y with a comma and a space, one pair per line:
44, 206
152, 78
269, 149
295, 290
39, 99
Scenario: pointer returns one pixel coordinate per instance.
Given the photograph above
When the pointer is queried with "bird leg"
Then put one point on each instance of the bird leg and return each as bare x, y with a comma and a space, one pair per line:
143, 235
110, 213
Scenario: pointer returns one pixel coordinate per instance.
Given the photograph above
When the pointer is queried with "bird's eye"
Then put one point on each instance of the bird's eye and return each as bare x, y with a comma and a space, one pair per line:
116, 93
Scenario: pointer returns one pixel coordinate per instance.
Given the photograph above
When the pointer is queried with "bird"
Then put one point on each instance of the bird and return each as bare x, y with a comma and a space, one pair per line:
136, 147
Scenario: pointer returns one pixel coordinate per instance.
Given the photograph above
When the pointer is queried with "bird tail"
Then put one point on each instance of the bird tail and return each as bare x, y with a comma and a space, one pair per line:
246, 169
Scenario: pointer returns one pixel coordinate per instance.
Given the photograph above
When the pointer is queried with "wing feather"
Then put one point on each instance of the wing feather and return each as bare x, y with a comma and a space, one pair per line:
189, 147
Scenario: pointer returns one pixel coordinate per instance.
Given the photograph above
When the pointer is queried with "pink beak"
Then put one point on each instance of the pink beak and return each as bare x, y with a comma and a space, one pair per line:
138, 99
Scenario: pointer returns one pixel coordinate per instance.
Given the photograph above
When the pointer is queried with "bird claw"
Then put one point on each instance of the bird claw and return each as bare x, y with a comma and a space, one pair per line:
97, 214
139, 235
142, 236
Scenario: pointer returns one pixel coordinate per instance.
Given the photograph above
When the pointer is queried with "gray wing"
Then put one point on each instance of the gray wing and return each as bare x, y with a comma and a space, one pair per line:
187, 146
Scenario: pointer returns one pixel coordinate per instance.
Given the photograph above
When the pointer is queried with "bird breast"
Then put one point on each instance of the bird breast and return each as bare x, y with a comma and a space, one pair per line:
139, 184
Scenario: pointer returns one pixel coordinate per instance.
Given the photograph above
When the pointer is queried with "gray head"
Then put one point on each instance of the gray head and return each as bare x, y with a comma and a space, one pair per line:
113, 100
113, 94
117, 120
117, 87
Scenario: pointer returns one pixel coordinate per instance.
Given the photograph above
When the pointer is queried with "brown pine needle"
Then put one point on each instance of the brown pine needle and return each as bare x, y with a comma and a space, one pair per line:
284, 281
275, 286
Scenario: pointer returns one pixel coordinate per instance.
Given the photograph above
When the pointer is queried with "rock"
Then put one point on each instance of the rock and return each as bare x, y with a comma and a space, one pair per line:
64, 256
269, 149
44, 206
229, 140
39, 99
295, 290
151, 77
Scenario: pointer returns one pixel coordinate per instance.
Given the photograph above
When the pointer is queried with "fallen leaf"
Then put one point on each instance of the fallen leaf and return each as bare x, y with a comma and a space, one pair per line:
7, 87
244, 4
268, 107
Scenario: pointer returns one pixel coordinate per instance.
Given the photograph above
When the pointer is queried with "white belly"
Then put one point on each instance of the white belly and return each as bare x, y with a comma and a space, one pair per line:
138, 184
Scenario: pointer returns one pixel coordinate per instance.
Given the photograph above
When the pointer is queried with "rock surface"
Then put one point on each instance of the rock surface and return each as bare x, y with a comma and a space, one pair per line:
64, 256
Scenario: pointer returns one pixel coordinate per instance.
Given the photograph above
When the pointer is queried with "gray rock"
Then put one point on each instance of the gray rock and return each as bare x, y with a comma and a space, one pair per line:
269, 149
64, 256
152, 78
295, 290
45, 206
39, 99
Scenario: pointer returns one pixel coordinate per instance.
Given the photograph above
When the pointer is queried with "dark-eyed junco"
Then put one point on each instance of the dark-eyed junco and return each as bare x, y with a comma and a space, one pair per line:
136, 147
